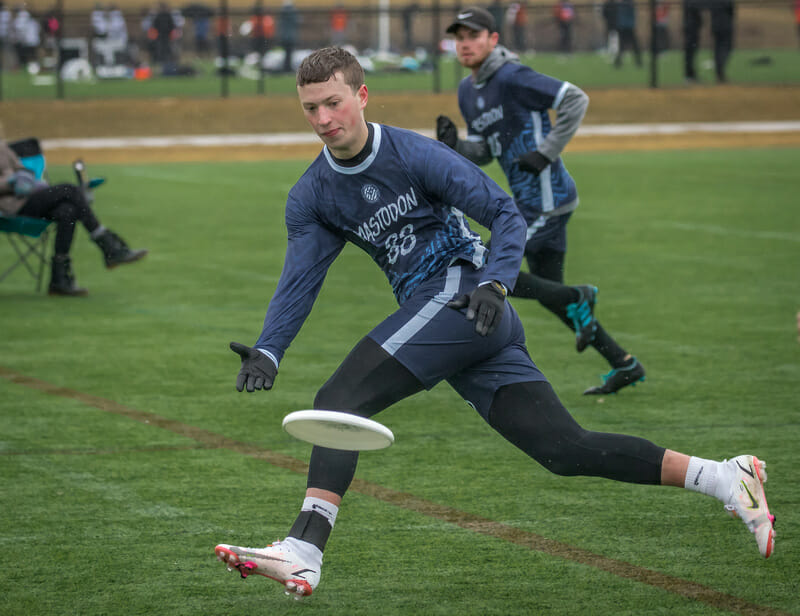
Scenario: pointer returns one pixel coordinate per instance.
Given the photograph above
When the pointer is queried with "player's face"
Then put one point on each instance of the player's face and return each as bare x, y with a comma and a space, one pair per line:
336, 114
473, 47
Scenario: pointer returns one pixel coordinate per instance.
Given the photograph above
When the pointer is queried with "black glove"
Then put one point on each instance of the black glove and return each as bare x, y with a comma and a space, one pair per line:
23, 182
446, 131
258, 371
533, 162
487, 302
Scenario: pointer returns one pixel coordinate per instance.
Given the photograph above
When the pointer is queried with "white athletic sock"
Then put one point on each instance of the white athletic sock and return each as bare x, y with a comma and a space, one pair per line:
708, 477
327, 510
310, 553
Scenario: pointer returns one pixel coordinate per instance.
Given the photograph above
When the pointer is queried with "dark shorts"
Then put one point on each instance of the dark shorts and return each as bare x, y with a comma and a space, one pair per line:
437, 343
547, 233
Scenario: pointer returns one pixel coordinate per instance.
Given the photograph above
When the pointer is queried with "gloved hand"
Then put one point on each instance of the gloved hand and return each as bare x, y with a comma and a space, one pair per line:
23, 182
257, 372
446, 131
487, 302
533, 162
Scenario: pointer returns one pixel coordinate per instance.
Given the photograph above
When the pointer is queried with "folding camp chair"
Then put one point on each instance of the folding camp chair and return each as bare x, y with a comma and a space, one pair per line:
28, 236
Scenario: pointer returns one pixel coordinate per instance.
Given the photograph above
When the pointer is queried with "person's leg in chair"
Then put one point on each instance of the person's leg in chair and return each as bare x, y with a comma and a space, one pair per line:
66, 205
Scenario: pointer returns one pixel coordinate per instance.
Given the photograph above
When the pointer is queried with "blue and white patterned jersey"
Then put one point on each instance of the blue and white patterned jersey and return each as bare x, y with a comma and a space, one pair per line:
509, 111
404, 205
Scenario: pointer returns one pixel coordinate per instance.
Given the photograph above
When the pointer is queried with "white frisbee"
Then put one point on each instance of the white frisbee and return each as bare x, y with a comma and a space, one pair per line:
338, 430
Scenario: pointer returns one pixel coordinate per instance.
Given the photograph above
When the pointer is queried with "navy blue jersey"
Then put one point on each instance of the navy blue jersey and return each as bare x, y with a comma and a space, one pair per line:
405, 205
509, 111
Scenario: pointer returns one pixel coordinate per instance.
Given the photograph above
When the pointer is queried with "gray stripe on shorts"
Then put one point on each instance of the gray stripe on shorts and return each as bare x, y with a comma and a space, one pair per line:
424, 316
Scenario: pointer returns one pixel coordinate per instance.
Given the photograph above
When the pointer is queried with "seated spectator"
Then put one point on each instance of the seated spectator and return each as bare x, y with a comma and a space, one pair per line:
21, 194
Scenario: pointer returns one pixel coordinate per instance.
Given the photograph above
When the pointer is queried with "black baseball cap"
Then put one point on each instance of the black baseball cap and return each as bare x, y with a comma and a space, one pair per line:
474, 18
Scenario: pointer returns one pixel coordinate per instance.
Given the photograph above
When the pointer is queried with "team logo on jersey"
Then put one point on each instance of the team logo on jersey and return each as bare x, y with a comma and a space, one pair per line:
370, 193
480, 102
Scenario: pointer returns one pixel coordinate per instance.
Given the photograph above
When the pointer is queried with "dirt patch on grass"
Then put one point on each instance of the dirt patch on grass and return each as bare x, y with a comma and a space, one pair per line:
270, 114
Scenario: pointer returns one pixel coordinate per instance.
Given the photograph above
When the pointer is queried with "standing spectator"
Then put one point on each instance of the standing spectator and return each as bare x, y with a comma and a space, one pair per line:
99, 19
147, 34
564, 13
339, 19
202, 29
797, 17
516, 19
628, 39
19, 32
224, 31
409, 12
117, 27
50, 27
200, 14
288, 26
722, 22
163, 32
662, 26
5, 31
262, 31
177, 34
496, 10
692, 22
612, 34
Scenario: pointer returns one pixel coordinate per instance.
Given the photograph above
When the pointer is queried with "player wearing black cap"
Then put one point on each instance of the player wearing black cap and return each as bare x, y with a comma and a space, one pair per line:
505, 105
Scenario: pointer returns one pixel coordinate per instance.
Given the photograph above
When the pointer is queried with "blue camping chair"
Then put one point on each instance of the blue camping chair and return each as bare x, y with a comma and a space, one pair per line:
28, 236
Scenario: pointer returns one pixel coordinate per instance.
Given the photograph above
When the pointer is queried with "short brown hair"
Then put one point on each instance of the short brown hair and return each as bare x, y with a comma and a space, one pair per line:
324, 63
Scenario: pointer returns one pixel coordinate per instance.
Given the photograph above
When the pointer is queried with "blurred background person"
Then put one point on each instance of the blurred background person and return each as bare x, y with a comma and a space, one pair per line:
662, 26
339, 19
163, 32
564, 13
609, 12
692, 22
516, 20
722, 24
117, 26
626, 26
288, 27
497, 11
409, 12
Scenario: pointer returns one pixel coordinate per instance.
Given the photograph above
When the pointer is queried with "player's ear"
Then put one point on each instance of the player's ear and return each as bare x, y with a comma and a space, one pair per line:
494, 38
363, 95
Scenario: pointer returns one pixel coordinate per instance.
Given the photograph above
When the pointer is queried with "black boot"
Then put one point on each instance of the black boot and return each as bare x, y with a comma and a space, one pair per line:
62, 280
116, 251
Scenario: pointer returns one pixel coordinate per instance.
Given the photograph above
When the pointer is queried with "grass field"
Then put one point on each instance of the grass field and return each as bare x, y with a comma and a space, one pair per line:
589, 70
126, 454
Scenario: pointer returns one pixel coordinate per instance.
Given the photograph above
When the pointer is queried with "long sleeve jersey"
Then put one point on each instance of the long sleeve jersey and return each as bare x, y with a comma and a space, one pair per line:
406, 205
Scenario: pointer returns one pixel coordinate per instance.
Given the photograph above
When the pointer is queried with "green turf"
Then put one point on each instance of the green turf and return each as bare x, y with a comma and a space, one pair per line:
589, 70
696, 255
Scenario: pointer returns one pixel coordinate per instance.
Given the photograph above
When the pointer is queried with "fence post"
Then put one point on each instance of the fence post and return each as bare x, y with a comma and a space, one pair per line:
653, 46
437, 33
59, 37
223, 28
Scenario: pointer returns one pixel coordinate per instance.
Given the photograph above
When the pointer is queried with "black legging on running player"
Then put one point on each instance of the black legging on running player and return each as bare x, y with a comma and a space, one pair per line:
65, 205
529, 415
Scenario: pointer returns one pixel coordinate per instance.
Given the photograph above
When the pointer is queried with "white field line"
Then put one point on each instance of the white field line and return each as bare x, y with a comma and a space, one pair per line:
271, 139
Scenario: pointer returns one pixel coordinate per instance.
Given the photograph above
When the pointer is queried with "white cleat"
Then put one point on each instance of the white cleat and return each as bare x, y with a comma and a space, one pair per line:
748, 501
276, 561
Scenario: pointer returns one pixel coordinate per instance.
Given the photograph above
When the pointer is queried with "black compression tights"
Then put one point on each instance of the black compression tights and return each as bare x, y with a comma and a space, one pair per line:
368, 381
531, 416
545, 283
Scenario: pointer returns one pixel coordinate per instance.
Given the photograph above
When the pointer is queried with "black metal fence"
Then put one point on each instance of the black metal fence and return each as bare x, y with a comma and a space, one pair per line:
167, 41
